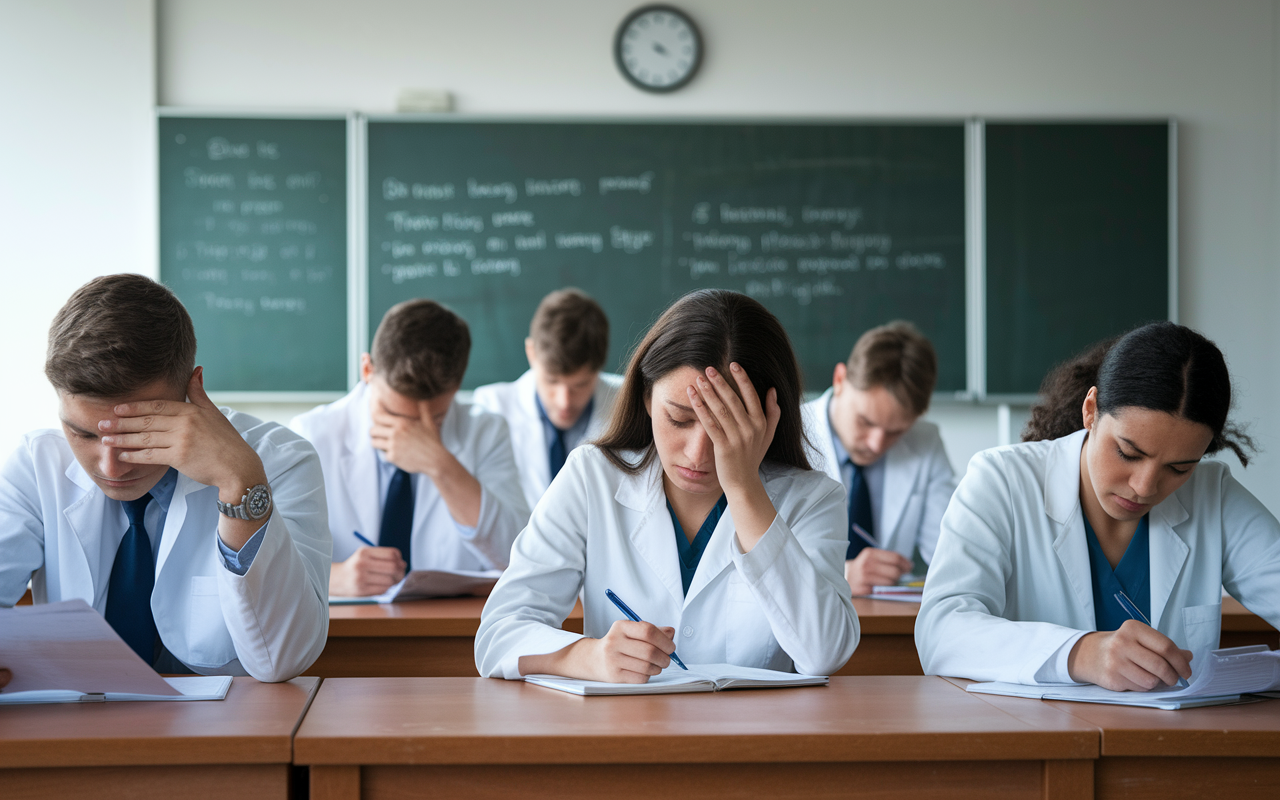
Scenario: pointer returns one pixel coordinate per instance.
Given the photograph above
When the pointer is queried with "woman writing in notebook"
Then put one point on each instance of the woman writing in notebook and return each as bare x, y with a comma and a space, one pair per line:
1096, 552
697, 508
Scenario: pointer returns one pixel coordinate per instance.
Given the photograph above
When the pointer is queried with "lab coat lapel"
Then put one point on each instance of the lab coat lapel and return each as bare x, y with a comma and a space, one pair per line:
1062, 506
534, 439
85, 518
653, 535
360, 467
715, 559
900, 470
821, 436
1168, 555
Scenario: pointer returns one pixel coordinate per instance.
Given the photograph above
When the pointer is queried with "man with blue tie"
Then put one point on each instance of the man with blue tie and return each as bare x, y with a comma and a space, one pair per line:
198, 532
866, 432
564, 399
414, 478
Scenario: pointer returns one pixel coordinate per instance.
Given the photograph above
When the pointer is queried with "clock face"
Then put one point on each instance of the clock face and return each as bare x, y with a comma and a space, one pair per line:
658, 48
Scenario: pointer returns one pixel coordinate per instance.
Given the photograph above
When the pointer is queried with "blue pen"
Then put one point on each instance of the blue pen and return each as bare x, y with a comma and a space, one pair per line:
361, 538
631, 615
1131, 608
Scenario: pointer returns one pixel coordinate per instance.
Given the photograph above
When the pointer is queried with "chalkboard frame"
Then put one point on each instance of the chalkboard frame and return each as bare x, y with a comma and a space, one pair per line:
976, 316
972, 393
355, 199
977, 235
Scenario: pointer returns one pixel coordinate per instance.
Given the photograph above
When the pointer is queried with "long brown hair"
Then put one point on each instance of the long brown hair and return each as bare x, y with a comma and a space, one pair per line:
709, 328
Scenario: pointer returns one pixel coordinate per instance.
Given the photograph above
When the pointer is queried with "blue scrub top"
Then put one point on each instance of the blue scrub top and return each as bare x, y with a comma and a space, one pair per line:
1131, 576
691, 552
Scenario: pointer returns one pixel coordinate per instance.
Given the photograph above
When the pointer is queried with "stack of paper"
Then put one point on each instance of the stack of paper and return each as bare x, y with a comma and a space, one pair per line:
66, 652
1223, 678
673, 680
909, 589
424, 583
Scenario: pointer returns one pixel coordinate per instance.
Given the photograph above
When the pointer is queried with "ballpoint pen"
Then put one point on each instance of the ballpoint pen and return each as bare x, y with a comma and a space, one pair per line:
1131, 608
363, 539
866, 537
631, 615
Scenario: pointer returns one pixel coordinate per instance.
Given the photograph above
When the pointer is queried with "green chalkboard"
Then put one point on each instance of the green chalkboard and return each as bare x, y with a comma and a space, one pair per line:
1077, 241
835, 227
253, 239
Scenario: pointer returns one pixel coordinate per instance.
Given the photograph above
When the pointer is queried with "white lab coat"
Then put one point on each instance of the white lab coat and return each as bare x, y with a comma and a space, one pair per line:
271, 623
478, 439
918, 480
515, 403
784, 606
1010, 583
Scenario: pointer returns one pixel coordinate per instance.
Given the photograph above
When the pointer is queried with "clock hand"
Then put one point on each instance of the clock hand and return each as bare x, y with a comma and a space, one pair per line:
658, 48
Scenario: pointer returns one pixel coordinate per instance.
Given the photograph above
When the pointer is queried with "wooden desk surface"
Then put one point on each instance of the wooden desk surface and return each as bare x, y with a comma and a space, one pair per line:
254, 725
239, 747
444, 616
388, 738
474, 721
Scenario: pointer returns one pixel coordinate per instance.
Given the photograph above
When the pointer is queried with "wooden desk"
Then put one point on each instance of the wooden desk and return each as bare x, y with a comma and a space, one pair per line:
421, 638
876, 736
240, 747
435, 638
1148, 754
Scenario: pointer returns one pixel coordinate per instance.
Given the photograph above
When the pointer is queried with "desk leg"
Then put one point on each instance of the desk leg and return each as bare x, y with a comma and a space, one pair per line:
1067, 780
335, 783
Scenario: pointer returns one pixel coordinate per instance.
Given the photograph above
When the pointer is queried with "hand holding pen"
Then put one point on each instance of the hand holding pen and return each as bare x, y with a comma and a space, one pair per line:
369, 570
1133, 658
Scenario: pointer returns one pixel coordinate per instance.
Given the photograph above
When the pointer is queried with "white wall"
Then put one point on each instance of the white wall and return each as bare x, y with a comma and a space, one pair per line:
77, 157
1213, 66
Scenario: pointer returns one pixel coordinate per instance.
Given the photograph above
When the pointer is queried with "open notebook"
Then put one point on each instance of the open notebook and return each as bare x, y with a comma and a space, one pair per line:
1224, 676
673, 680
67, 653
423, 583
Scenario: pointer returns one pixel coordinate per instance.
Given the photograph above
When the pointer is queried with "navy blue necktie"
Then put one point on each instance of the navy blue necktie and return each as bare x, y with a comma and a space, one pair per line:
133, 574
859, 513
556, 454
397, 515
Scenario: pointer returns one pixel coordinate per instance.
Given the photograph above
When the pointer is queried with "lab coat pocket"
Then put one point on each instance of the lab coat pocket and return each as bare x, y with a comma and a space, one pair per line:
208, 640
1203, 628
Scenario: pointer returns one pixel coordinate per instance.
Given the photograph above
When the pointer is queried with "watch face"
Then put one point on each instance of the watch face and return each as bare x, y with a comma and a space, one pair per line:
258, 503
658, 48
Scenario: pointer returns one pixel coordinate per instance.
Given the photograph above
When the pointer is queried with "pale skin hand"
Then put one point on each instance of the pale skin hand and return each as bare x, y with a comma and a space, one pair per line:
631, 652
194, 438
875, 567
1133, 658
741, 431
369, 570
413, 445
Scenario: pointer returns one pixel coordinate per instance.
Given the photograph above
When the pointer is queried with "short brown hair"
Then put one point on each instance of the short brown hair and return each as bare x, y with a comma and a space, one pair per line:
898, 357
421, 348
117, 334
569, 332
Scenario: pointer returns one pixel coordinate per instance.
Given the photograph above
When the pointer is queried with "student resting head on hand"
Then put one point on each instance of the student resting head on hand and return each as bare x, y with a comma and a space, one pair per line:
697, 508
1097, 551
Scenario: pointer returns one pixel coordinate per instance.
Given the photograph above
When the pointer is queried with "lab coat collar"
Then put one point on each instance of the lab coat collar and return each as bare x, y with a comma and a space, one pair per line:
820, 439
653, 535
176, 516
84, 517
526, 391
716, 558
1062, 505
360, 463
901, 465
1168, 554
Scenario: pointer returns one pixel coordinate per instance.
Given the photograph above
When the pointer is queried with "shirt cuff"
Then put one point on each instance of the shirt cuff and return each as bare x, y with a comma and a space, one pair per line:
240, 562
1055, 670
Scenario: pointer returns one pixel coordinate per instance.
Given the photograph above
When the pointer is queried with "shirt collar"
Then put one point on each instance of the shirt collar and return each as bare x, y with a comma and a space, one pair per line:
162, 492
577, 428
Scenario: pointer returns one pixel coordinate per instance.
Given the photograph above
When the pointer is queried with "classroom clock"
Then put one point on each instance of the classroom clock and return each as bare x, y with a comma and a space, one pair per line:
658, 48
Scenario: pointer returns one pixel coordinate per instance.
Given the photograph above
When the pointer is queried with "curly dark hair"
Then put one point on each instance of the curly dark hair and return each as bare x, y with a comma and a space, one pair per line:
1162, 366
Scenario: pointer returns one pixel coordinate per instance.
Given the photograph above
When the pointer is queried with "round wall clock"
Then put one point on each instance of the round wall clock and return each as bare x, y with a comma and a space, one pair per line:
658, 48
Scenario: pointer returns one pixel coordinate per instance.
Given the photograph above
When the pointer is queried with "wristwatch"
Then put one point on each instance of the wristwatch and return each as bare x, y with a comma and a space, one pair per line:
255, 504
